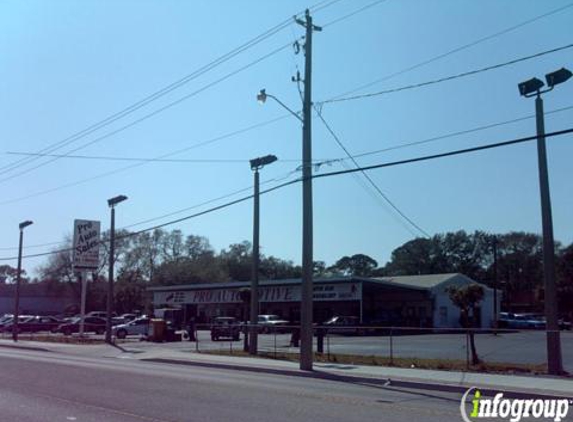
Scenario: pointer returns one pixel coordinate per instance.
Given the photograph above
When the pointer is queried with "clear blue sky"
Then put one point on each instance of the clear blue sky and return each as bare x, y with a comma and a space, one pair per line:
69, 64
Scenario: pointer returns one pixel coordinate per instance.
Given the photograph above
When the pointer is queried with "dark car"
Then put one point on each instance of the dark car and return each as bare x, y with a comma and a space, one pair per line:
39, 323
225, 327
8, 325
91, 325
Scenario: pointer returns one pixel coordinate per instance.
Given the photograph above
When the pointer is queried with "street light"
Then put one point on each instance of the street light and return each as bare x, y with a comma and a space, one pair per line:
530, 88
256, 165
22, 226
112, 203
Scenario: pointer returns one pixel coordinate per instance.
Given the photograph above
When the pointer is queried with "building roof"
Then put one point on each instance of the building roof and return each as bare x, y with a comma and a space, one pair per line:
417, 282
426, 281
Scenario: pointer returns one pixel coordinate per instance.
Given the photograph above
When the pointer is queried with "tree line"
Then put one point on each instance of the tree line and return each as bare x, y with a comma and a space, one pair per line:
169, 258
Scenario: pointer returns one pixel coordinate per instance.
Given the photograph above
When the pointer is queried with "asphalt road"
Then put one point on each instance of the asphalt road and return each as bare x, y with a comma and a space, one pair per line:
39, 386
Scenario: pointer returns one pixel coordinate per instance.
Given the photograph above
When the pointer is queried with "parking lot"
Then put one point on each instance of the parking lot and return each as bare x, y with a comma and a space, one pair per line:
520, 347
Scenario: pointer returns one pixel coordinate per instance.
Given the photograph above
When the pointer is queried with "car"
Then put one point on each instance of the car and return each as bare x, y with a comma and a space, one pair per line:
39, 323
129, 317
137, 326
225, 327
91, 324
272, 323
8, 325
344, 325
521, 321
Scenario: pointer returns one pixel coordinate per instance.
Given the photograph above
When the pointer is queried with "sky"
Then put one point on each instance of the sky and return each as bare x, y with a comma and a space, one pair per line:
70, 65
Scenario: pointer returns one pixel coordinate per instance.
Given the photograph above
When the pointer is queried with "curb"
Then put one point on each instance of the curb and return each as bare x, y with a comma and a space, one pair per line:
17, 346
357, 379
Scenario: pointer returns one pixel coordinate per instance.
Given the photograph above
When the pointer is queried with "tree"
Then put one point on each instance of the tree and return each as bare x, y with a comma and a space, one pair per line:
272, 268
238, 260
356, 265
8, 274
467, 298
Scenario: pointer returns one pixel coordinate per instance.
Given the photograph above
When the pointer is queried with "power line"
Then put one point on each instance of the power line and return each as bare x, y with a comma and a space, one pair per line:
455, 50
457, 133
445, 154
369, 179
447, 78
349, 15
156, 160
153, 113
317, 176
165, 90
159, 94
131, 166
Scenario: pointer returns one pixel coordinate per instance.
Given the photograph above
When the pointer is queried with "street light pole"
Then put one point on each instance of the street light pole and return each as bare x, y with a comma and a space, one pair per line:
551, 314
18, 277
256, 165
531, 88
112, 203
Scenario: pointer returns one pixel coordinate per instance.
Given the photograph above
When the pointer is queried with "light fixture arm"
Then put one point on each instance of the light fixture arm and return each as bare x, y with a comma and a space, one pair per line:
263, 96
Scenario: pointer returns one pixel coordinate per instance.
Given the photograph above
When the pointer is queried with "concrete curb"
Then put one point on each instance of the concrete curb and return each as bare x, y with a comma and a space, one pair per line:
22, 347
358, 379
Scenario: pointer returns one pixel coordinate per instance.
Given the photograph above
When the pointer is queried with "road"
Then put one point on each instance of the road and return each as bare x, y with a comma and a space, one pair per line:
40, 386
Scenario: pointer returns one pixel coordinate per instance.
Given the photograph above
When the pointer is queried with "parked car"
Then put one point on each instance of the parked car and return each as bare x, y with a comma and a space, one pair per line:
344, 325
129, 317
272, 323
521, 321
91, 325
39, 323
225, 327
139, 326
9, 324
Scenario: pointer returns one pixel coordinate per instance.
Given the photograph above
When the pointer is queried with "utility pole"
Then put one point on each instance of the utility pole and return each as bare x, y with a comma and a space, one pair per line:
306, 311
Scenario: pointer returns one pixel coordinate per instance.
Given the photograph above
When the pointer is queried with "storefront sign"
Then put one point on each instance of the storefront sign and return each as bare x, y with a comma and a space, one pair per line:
271, 294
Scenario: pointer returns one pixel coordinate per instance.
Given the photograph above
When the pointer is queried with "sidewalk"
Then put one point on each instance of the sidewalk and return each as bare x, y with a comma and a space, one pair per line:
517, 386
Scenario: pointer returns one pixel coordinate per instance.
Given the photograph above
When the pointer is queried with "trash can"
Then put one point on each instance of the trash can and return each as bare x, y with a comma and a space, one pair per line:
157, 330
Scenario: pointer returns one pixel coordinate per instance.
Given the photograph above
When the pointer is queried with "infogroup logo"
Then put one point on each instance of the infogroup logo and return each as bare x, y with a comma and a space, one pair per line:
515, 410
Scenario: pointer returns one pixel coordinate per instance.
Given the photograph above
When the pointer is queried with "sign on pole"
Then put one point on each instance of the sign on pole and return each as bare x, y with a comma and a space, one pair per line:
85, 256
86, 245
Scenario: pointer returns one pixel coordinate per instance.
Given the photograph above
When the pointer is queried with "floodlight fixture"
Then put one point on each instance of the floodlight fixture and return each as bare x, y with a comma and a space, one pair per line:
530, 87
558, 77
25, 224
258, 163
116, 200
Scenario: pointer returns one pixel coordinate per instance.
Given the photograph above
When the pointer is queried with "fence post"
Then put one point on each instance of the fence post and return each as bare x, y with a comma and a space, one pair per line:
391, 346
467, 349
196, 339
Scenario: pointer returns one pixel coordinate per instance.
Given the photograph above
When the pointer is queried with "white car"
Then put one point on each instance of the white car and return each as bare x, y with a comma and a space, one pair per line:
139, 326
274, 323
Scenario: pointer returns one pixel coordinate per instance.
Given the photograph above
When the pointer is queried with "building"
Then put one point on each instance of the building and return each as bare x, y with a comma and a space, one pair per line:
410, 301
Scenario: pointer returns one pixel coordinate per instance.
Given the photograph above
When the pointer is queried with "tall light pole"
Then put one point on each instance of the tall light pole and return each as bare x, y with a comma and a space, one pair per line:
22, 226
306, 308
256, 165
530, 88
112, 203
